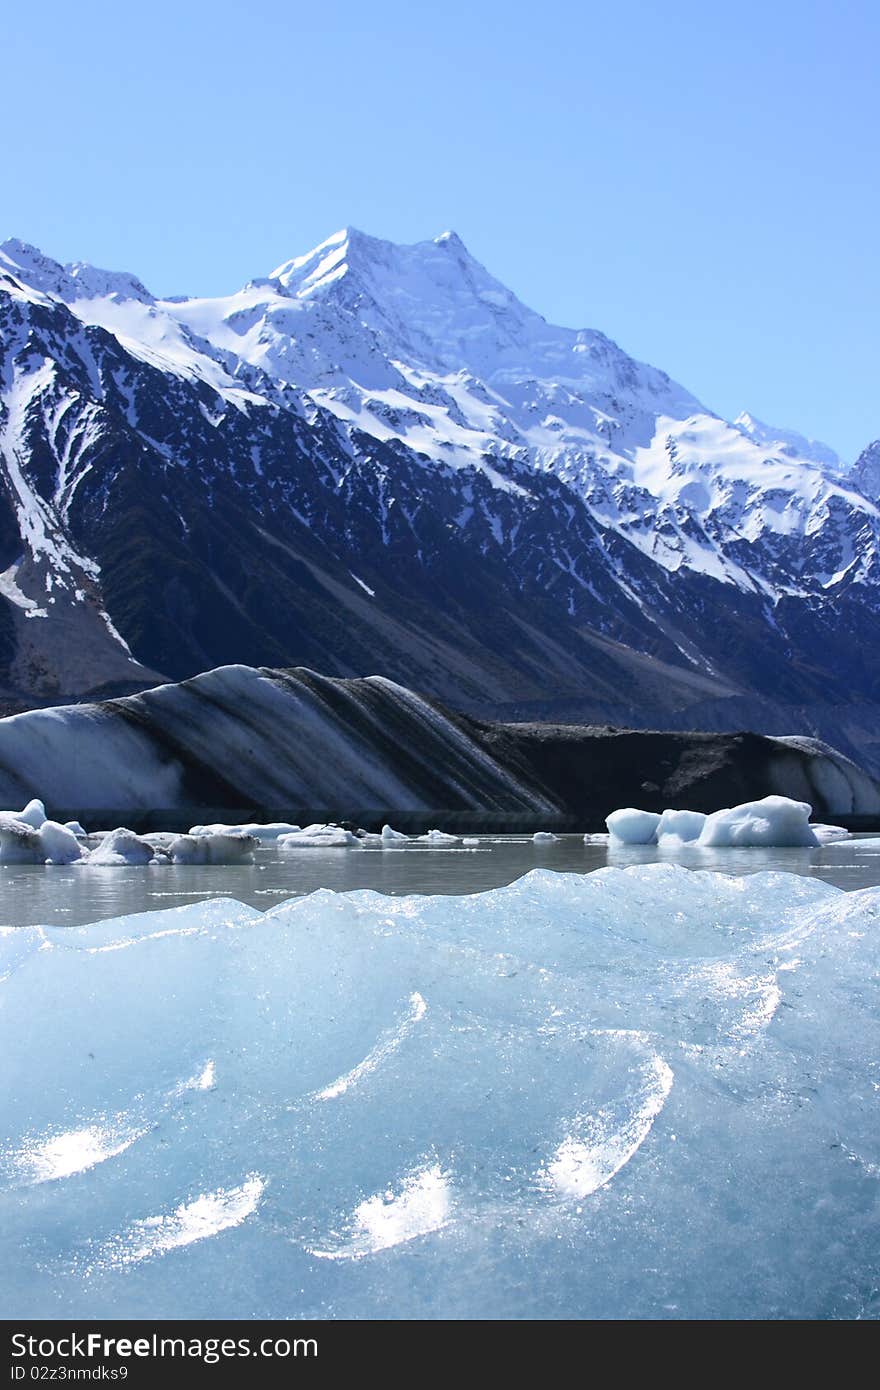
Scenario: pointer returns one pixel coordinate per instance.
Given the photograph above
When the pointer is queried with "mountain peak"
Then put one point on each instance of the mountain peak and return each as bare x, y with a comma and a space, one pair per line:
76, 280
327, 262
786, 441
29, 263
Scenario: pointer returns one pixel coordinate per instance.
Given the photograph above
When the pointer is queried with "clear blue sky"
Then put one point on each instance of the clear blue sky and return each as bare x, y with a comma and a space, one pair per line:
698, 180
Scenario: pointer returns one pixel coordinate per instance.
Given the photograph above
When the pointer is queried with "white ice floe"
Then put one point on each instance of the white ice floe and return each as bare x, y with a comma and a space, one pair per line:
774, 821
269, 831
76, 829
631, 827
390, 836
830, 834
544, 837
124, 847
21, 843
60, 845
230, 847
320, 837
439, 837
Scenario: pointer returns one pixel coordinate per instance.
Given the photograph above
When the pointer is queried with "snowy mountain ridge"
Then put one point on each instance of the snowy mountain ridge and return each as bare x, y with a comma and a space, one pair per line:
420, 344
397, 407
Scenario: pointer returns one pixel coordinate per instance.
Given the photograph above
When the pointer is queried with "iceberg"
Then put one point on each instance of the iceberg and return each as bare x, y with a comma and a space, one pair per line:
390, 836
320, 837
268, 831
121, 846
637, 1093
774, 821
51, 843
227, 847
631, 827
20, 843
60, 845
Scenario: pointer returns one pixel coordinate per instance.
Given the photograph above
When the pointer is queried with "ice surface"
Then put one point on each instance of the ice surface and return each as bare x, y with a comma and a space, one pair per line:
544, 837
632, 827
439, 837
774, 820
636, 1093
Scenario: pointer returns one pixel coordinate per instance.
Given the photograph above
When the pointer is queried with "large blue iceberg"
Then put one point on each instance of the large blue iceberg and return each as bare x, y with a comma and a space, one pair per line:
647, 1092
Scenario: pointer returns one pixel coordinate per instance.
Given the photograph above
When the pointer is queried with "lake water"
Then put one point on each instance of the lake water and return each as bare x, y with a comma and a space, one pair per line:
37, 895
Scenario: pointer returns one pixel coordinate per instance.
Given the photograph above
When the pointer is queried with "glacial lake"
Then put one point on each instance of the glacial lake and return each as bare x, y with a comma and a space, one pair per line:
38, 895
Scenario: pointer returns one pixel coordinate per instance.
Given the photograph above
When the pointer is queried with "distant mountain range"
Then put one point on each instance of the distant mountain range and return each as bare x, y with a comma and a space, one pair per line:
377, 460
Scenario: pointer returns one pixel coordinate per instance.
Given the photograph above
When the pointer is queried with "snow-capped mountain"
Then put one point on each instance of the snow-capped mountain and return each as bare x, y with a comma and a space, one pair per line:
377, 459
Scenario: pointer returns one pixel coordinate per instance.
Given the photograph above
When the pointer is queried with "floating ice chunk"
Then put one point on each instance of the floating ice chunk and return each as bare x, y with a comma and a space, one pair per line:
774, 821
20, 843
680, 826
320, 837
544, 837
76, 829
470, 840
124, 847
60, 845
391, 836
439, 837
830, 834
230, 847
596, 839
272, 830
631, 827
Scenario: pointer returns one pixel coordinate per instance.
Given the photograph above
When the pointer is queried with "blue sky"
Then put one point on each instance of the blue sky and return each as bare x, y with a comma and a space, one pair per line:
699, 181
